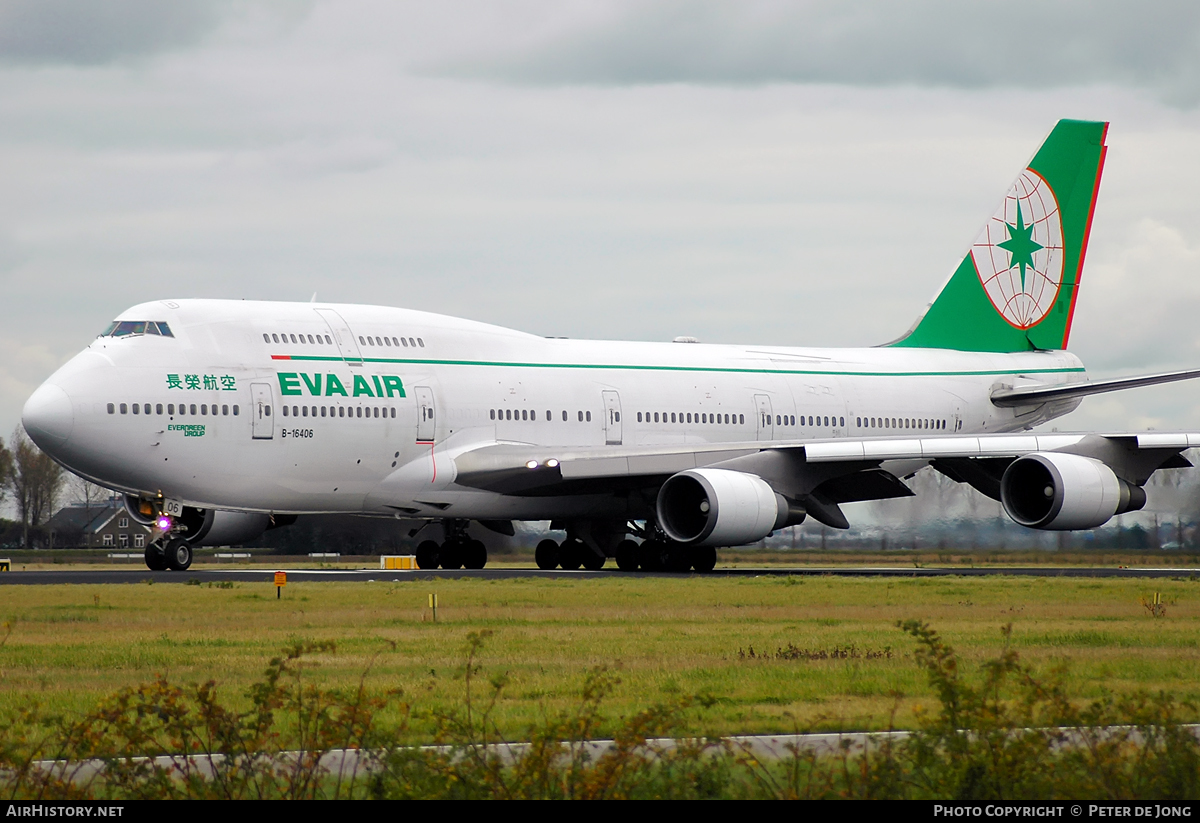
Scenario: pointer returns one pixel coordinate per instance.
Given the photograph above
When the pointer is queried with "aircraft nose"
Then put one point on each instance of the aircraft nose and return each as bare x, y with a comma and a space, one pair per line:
48, 417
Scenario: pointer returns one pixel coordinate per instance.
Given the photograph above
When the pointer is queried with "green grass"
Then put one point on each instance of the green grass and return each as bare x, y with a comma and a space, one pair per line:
68, 646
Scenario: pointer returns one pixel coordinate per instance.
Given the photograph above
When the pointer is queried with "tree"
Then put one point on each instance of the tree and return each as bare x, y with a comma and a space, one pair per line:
35, 481
88, 496
6, 468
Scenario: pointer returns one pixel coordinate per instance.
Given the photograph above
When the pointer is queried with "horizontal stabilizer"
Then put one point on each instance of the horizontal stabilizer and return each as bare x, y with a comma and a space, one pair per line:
1030, 395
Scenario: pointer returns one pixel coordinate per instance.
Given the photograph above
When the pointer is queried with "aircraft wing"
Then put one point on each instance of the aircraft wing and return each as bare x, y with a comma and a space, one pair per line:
1029, 395
816, 474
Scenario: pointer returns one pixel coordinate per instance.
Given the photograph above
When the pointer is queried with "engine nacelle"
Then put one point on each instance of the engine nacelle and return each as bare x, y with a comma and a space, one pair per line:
719, 507
223, 528
1062, 492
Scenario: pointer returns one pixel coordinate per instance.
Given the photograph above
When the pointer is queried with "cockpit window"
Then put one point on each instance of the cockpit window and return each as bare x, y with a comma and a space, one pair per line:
125, 328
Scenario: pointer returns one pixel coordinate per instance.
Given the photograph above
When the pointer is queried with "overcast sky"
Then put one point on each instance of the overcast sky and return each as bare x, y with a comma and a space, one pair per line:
767, 172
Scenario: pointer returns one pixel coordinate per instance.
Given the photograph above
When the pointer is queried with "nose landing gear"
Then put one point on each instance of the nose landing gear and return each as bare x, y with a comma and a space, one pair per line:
176, 555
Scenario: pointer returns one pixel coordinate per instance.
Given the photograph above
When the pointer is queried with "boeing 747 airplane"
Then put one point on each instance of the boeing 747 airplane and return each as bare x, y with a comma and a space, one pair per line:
219, 419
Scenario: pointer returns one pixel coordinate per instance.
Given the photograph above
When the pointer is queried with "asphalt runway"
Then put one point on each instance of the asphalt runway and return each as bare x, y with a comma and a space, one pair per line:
209, 575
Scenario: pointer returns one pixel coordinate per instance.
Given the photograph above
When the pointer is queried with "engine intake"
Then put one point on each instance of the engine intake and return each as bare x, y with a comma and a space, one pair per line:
1063, 492
719, 507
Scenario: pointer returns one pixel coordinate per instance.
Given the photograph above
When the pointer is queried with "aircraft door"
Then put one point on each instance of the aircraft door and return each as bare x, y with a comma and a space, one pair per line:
342, 336
612, 418
425, 423
263, 426
766, 419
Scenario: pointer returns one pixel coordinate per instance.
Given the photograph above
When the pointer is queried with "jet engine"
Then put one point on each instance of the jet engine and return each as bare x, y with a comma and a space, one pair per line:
224, 528
719, 507
208, 527
1061, 492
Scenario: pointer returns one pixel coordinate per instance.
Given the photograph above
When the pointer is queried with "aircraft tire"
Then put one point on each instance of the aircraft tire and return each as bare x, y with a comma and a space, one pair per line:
678, 559
570, 555
178, 555
155, 561
546, 555
474, 554
627, 552
427, 555
451, 556
592, 561
704, 559
650, 556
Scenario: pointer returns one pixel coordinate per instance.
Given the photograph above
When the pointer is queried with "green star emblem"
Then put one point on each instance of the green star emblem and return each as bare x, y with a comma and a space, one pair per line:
1020, 245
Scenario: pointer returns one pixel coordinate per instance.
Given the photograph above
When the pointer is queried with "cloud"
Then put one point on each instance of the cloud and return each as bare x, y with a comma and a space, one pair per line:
87, 33
1025, 44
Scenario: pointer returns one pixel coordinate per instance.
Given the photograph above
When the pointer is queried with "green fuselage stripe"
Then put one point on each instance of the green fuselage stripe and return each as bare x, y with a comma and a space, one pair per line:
717, 369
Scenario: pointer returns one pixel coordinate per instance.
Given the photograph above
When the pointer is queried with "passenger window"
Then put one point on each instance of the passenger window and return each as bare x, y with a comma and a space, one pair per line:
580, 417
266, 337
404, 342
111, 408
564, 415
420, 342
341, 411
266, 411
285, 411
493, 414
136, 408
548, 416
589, 417
224, 411
235, 410
192, 409
387, 341
361, 341
171, 408
639, 417
305, 408
328, 340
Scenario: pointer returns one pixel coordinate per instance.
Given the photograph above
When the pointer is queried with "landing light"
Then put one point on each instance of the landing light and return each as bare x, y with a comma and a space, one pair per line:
532, 464
163, 523
551, 463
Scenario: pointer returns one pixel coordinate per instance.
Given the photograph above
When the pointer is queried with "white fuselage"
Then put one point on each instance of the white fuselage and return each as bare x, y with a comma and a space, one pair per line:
461, 385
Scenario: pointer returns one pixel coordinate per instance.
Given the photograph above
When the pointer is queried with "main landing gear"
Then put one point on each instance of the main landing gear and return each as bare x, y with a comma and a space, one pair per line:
569, 555
458, 551
658, 554
175, 555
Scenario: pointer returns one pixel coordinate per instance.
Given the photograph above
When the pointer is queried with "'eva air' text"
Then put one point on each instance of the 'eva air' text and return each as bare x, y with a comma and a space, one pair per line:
328, 385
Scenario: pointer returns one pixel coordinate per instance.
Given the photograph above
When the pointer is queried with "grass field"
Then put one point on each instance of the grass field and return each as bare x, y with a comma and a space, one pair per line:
68, 646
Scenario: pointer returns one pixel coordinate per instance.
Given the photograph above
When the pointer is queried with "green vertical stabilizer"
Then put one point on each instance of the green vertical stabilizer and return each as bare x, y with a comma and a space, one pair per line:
1015, 289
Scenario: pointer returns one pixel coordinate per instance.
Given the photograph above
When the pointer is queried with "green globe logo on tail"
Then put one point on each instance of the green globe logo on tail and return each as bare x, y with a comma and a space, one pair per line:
1022, 274
1015, 289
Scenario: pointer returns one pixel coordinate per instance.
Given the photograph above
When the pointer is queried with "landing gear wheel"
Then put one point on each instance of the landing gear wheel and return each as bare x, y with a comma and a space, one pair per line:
570, 556
427, 555
678, 559
451, 555
591, 561
475, 555
704, 559
546, 555
650, 556
178, 554
627, 552
155, 561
